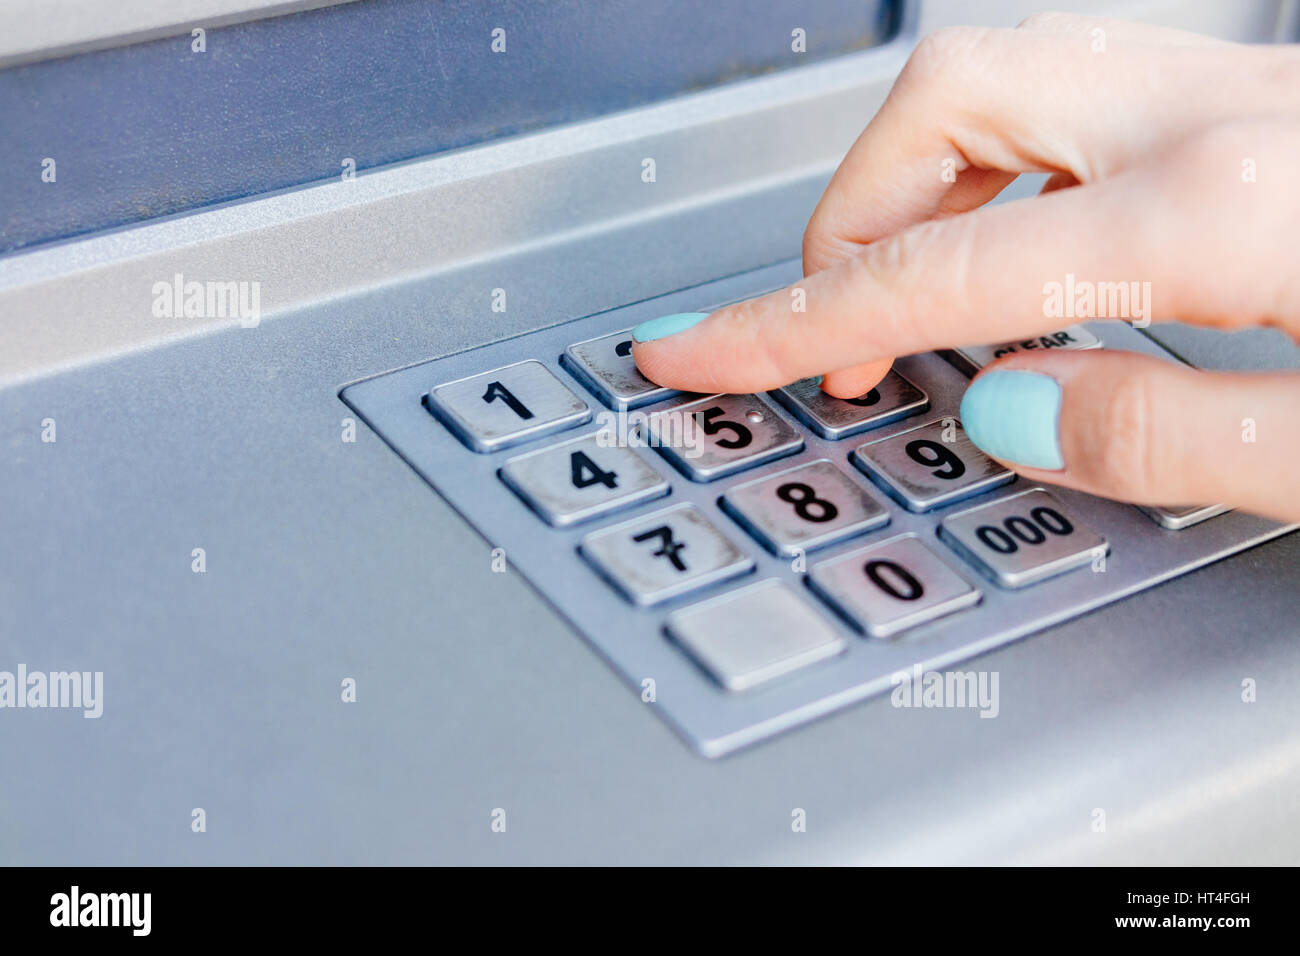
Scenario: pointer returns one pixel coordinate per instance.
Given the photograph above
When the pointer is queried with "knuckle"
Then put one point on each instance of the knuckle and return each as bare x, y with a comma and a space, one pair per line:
944, 56
919, 273
756, 357
1125, 459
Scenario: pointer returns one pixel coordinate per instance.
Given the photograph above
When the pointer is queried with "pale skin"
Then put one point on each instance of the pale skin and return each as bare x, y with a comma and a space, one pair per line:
1173, 158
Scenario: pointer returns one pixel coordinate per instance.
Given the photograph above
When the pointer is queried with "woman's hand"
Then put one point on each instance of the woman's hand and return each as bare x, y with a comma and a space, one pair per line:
1174, 161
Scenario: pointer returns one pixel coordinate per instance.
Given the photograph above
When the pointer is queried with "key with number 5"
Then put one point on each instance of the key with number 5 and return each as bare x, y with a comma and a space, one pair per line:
712, 437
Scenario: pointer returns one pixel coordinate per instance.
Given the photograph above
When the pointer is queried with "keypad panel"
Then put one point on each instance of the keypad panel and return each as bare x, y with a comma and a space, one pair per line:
772, 620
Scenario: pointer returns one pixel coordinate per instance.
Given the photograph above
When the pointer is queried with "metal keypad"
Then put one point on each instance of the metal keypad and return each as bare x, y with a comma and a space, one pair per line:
710, 438
930, 466
972, 358
805, 507
835, 418
889, 587
665, 554
1023, 539
754, 635
582, 478
725, 661
507, 406
605, 365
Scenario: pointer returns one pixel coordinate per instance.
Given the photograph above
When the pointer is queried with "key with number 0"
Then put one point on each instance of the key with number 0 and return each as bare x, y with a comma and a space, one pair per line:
886, 588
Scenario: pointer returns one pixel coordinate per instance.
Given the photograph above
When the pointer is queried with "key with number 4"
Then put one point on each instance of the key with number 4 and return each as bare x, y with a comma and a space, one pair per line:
581, 479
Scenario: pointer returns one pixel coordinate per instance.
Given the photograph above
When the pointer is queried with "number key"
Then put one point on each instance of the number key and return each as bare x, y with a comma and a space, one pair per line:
803, 508
605, 365
712, 437
506, 406
930, 466
661, 555
886, 588
835, 418
582, 478
1022, 539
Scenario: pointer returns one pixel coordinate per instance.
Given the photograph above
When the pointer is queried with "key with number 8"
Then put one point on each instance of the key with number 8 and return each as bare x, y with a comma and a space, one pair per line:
802, 508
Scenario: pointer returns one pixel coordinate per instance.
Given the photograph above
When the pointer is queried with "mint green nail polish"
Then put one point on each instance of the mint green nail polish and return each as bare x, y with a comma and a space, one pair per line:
666, 325
1012, 415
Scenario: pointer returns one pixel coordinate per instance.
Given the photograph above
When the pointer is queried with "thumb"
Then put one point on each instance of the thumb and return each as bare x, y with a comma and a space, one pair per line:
1141, 429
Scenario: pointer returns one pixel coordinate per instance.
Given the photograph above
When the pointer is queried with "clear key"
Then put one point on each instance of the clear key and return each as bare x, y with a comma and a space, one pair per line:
971, 358
662, 555
709, 438
581, 479
506, 406
835, 418
803, 508
930, 466
1023, 539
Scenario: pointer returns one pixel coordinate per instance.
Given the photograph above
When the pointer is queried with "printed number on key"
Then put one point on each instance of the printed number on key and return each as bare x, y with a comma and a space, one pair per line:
668, 547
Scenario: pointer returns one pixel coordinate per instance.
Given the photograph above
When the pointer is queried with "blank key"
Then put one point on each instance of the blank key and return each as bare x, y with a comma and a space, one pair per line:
754, 635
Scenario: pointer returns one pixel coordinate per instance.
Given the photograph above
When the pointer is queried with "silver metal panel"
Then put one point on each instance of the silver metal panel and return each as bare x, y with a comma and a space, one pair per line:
632, 637
330, 559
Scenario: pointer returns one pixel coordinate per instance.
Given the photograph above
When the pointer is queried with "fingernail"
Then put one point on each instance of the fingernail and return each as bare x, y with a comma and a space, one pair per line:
1012, 415
666, 325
